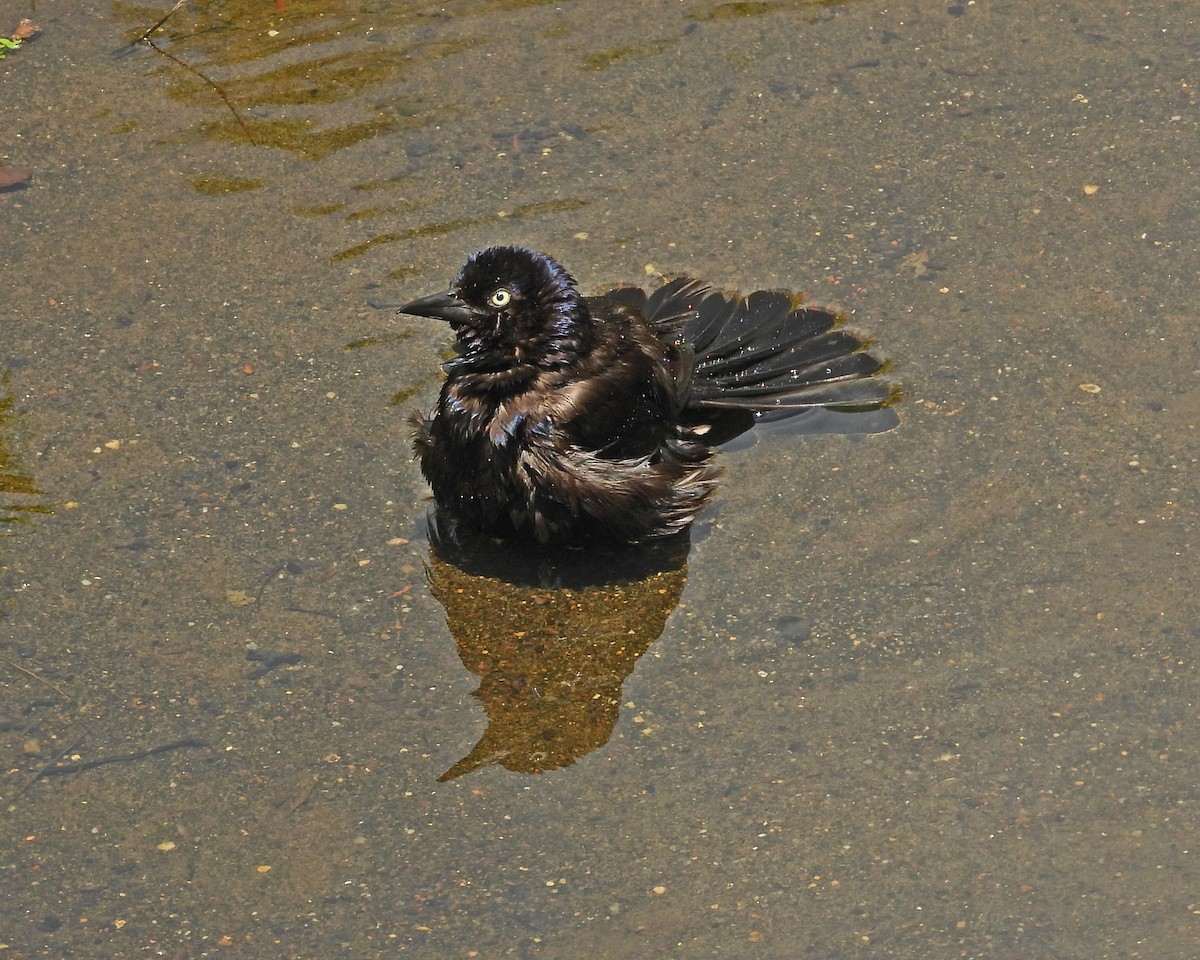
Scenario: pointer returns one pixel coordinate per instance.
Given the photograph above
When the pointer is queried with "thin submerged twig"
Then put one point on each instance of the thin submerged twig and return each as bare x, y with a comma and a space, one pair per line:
124, 757
145, 38
166, 16
58, 756
40, 679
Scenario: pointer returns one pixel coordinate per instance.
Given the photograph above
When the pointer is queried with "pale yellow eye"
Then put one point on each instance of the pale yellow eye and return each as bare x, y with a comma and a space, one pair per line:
501, 297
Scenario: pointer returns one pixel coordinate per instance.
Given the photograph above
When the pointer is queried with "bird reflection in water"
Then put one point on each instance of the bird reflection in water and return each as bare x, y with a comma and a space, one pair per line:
552, 637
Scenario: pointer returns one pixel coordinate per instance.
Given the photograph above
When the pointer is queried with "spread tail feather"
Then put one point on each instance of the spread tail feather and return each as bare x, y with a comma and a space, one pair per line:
764, 352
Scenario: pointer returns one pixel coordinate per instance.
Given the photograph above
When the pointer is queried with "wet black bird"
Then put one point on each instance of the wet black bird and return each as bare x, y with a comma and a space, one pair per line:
567, 418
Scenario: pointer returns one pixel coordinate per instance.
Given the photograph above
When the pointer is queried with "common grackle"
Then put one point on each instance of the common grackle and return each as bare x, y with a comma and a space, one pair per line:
568, 419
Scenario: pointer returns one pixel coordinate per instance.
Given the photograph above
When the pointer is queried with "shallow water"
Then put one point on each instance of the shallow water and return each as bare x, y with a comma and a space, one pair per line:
925, 693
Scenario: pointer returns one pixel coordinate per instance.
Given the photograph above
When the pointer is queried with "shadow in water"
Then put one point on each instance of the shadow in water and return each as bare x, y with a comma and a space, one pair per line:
552, 636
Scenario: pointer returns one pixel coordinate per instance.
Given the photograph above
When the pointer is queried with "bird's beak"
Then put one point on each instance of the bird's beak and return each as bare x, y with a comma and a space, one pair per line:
439, 306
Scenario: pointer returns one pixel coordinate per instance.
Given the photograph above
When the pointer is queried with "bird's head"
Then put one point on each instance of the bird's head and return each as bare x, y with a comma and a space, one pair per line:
513, 305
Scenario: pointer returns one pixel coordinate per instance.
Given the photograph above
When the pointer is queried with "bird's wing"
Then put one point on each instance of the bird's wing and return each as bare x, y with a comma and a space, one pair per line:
767, 351
628, 498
